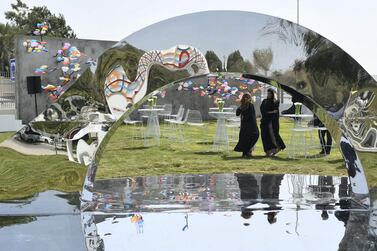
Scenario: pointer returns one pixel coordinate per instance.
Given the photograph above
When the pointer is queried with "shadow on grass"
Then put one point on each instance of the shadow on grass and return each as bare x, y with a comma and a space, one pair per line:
334, 161
278, 158
240, 157
341, 167
207, 153
135, 148
204, 142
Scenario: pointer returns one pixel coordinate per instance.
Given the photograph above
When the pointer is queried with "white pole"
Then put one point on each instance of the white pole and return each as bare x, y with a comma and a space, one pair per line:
298, 11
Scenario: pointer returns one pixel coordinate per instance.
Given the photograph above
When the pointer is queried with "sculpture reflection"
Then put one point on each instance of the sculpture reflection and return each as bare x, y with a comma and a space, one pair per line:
172, 200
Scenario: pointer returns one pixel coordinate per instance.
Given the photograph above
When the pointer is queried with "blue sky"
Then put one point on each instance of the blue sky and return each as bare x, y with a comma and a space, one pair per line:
350, 24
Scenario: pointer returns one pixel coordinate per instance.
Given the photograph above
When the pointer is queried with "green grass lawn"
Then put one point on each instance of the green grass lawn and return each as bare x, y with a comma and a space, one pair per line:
126, 157
24, 175
5, 135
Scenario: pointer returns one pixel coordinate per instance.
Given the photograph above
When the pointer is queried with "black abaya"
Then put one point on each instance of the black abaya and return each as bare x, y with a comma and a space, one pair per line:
249, 132
270, 125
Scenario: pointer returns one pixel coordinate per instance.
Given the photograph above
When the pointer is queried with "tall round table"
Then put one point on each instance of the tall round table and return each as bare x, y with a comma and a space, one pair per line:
152, 132
221, 140
301, 139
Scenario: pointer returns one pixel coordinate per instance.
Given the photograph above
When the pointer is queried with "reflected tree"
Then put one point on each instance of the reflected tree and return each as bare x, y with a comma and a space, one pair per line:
160, 76
263, 59
214, 62
72, 199
236, 63
6, 221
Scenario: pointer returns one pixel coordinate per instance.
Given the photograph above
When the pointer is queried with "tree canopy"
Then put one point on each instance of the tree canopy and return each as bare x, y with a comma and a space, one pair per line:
23, 20
26, 19
7, 33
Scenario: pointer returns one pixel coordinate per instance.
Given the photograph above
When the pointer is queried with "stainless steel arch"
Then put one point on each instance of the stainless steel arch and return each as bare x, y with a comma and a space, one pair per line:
332, 84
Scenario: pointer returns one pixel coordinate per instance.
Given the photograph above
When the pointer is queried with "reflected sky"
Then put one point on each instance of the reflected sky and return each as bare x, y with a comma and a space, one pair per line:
219, 31
46, 203
302, 230
241, 211
60, 232
48, 221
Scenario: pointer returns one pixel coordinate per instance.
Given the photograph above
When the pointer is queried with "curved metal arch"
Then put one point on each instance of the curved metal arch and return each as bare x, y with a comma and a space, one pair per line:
334, 85
353, 163
121, 92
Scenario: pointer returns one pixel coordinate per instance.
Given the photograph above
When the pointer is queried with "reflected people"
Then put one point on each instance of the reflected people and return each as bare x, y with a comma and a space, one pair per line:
272, 217
249, 132
246, 213
324, 136
266, 192
324, 215
249, 189
295, 98
272, 142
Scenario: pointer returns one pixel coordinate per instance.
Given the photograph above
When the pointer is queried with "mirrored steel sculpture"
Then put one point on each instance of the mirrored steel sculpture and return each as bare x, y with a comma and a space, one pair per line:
287, 56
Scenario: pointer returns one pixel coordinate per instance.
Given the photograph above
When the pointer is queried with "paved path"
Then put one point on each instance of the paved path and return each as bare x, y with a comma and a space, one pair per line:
30, 149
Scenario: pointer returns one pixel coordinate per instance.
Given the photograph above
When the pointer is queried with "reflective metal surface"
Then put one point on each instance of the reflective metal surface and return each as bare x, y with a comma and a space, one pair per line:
46, 221
227, 210
302, 62
285, 55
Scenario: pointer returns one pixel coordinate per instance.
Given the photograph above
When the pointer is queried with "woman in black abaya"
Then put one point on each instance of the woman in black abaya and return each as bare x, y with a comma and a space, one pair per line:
249, 132
272, 142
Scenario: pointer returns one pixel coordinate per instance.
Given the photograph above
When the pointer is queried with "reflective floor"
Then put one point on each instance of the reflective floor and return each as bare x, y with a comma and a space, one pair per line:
194, 212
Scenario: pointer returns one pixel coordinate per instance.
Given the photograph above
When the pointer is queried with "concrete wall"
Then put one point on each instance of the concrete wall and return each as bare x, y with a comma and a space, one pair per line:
28, 62
8, 123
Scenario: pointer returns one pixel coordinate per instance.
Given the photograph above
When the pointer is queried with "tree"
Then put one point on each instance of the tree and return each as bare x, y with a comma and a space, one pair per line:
214, 63
7, 33
263, 59
23, 20
26, 19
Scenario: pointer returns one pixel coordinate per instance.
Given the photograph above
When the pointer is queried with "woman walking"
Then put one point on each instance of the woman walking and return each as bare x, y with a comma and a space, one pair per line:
272, 142
249, 132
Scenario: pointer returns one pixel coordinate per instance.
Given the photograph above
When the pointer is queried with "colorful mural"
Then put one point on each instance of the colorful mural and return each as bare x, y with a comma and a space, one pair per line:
35, 46
41, 70
68, 60
218, 87
42, 28
121, 92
